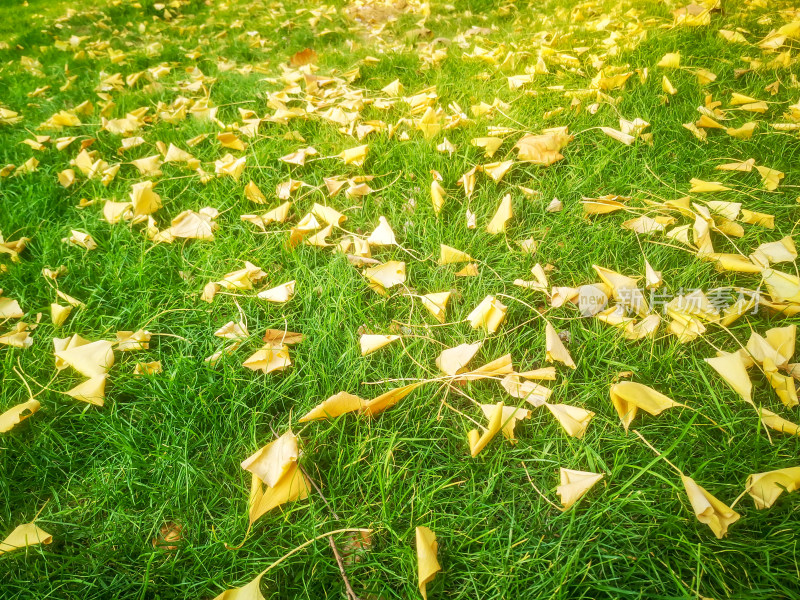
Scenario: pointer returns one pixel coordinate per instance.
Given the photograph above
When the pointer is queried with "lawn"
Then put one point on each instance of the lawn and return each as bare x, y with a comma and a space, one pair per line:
238, 107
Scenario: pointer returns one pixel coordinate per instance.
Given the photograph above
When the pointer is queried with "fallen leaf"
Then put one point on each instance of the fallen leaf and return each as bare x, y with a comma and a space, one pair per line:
574, 484
427, 564
555, 349
17, 414
273, 461
478, 441
717, 515
336, 405
23, 536
371, 343
573, 419
489, 314
765, 488
628, 397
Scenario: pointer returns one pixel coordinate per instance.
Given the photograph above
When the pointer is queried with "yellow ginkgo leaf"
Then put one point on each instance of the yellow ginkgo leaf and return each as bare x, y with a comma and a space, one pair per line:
555, 349
628, 397
448, 255
291, 487
370, 343
783, 287
272, 462
393, 89
58, 313
773, 421
328, 214
489, 144
10, 309
386, 275
511, 414
336, 405
250, 591
770, 178
717, 515
374, 407
533, 393
770, 253
197, 225
279, 294
454, 360
23, 536
489, 314
91, 359
383, 234
620, 136
148, 368
252, 193
436, 303
269, 358
427, 563
731, 368
700, 186
501, 217
757, 218
653, 279
17, 414
320, 239
143, 199
469, 270
497, 170
92, 391
355, 156
478, 441
745, 132
81, 239
667, 87
765, 488
574, 484
573, 419
544, 149
437, 196
546, 373
128, 341
496, 368
624, 290
782, 384
671, 60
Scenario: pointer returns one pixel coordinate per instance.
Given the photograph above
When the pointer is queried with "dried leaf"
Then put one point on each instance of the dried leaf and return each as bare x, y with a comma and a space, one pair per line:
427, 564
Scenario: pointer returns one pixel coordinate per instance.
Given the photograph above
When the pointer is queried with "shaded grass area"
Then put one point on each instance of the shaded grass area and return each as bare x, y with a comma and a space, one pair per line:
168, 447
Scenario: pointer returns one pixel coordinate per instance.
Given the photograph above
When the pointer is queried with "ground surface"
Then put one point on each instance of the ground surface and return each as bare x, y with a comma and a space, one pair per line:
166, 448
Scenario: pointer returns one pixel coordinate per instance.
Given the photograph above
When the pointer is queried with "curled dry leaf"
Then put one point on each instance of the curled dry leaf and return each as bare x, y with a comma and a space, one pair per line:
336, 405
478, 441
169, 535
427, 563
628, 397
765, 488
489, 314
574, 484
374, 407
714, 513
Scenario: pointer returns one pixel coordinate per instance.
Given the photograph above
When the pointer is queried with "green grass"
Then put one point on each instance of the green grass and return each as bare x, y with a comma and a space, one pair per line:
168, 447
